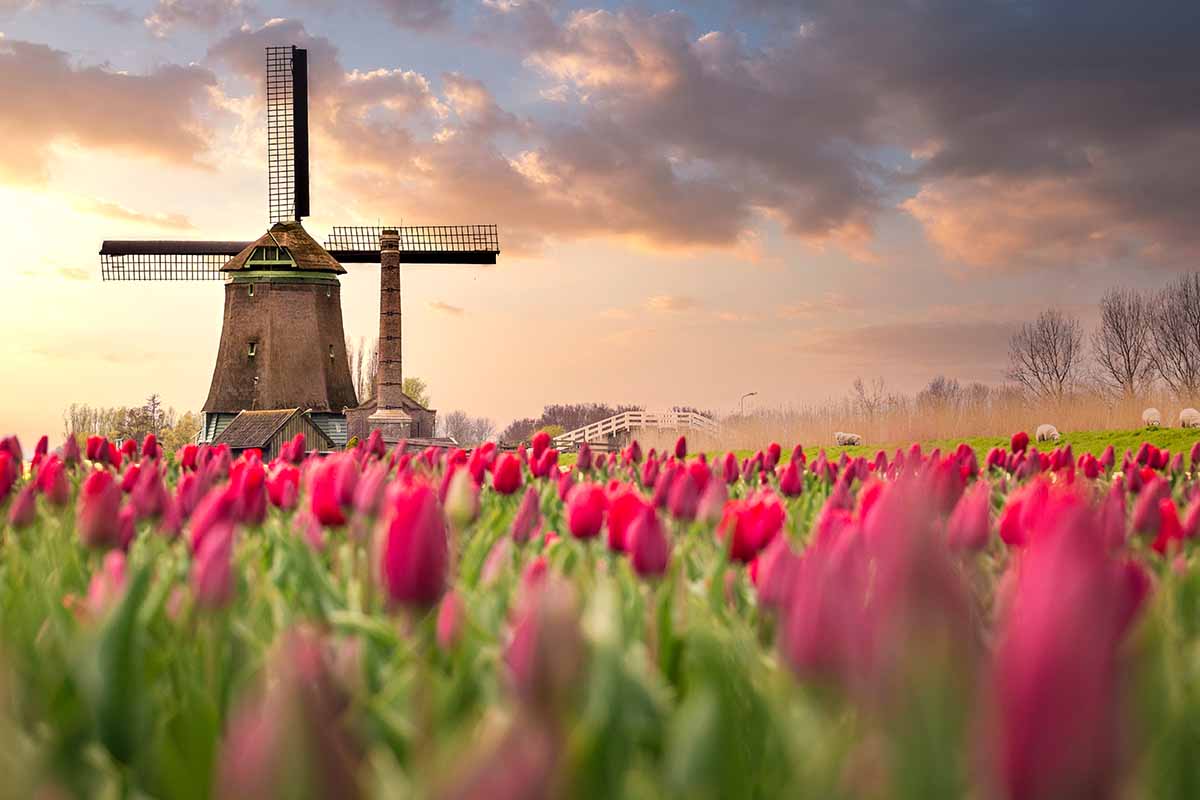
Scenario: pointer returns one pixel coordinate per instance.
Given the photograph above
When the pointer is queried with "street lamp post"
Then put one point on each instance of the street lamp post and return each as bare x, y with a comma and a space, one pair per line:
742, 403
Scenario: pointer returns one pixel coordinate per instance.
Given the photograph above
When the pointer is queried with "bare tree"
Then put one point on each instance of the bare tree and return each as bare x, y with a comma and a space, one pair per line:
364, 366
1122, 344
869, 399
1045, 355
942, 392
465, 429
1175, 335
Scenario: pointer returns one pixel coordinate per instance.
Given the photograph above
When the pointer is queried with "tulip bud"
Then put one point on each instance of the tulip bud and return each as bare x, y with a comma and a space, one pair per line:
527, 518
414, 553
24, 508
791, 484
970, 522
583, 461
585, 510
649, 548
1019, 442
107, 585
545, 655
681, 449
774, 453
52, 482
506, 478
450, 621
212, 569
97, 517
462, 499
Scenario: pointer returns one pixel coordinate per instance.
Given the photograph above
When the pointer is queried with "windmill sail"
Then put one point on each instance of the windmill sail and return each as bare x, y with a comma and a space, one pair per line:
423, 244
287, 134
166, 260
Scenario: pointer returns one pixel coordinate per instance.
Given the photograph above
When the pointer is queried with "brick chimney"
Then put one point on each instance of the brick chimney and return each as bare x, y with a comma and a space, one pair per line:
390, 417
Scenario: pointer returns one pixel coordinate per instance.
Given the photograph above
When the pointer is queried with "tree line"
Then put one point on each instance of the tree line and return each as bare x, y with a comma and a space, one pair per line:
1143, 338
172, 429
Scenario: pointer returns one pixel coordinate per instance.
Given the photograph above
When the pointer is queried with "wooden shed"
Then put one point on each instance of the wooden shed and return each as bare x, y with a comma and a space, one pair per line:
268, 430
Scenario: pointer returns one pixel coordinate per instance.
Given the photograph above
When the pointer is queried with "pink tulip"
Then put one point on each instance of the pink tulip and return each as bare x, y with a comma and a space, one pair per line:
681, 449
527, 518
24, 508
970, 524
70, 451
212, 569
586, 508
684, 496
1057, 676
545, 654
215, 511
583, 461
107, 585
450, 621
414, 554
97, 515
8, 475
283, 485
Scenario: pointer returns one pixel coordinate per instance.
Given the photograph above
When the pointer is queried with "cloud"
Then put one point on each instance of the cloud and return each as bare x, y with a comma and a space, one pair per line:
159, 219
446, 308
973, 349
48, 100
105, 11
74, 274
671, 303
420, 15
169, 14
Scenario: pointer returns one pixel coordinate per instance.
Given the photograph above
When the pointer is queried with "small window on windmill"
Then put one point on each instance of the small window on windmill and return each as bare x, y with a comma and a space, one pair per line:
251, 290
331, 351
253, 349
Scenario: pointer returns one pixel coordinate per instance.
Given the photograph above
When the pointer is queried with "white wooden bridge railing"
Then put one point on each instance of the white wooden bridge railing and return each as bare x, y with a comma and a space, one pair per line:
636, 420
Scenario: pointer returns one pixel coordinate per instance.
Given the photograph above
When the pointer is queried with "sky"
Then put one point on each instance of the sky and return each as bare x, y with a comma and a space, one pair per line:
696, 199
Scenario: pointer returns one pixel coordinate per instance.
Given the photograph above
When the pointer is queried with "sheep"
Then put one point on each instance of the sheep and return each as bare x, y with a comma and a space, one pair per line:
1189, 418
1047, 433
847, 439
1151, 418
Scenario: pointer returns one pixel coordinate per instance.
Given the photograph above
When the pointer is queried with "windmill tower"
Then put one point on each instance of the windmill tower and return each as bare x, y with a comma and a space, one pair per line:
282, 340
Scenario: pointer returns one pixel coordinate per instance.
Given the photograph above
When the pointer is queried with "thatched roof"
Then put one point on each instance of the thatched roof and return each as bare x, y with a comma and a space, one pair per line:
305, 251
255, 428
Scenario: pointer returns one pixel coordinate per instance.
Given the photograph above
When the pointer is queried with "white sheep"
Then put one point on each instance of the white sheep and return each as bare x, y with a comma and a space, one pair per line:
847, 439
1151, 418
1047, 433
1189, 418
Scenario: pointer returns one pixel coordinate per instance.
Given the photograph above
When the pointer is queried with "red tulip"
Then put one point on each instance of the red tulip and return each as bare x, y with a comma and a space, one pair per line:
96, 516
97, 448
52, 482
24, 508
791, 484
775, 571
1112, 518
585, 510
649, 547
774, 453
681, 447
333, 484
729, 468
624, 507
8, 474
650, 472
1170, 529
539, 445
1019, 442
214, 512
150, 446
42, 448
970, 524
749, 525
188, 456
506, 478
129, 449
283, 486
1194, 456
414, 554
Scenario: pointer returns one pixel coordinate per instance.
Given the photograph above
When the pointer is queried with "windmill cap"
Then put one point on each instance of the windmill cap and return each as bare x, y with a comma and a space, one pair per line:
306, 254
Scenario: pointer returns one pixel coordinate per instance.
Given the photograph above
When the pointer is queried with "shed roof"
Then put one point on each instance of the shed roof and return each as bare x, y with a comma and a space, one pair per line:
305, 251
255, 428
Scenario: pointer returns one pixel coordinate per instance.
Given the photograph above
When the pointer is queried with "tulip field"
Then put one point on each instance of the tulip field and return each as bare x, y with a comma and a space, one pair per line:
493, 624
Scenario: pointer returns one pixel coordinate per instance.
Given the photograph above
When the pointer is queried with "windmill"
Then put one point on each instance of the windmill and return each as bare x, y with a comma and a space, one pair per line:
282, 342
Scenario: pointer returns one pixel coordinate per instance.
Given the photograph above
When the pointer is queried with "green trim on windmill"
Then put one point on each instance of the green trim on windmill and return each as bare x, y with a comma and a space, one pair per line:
282, 276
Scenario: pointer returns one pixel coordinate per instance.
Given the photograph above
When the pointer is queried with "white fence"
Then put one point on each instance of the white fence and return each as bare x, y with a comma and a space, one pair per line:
628, 421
